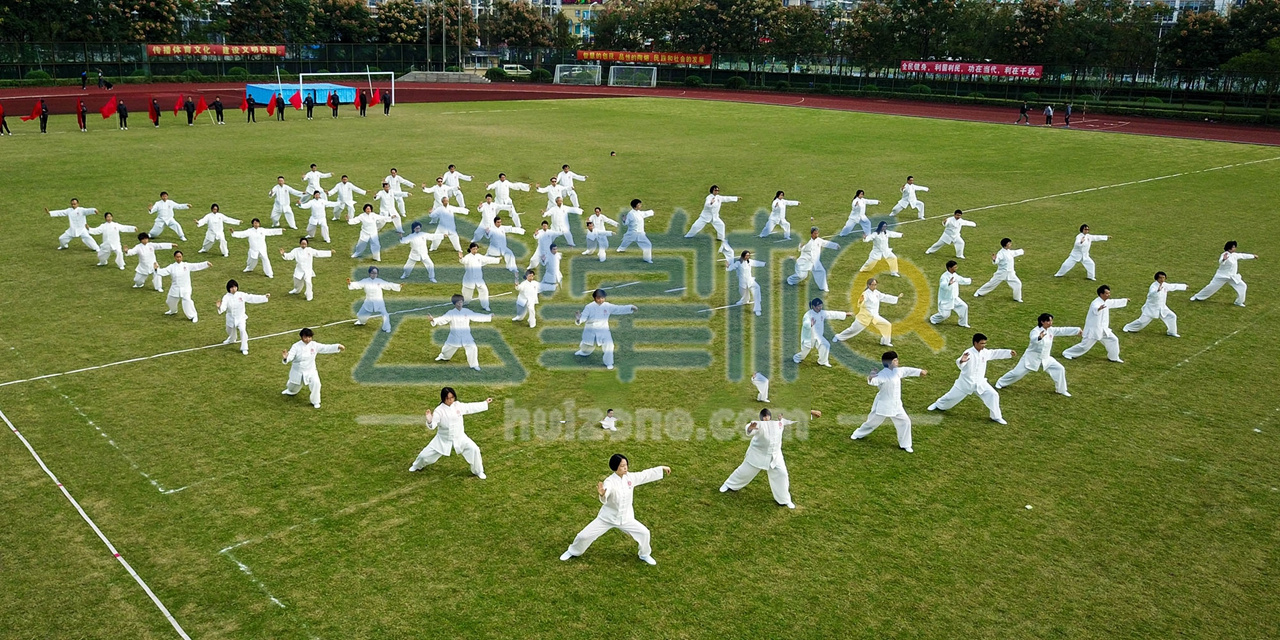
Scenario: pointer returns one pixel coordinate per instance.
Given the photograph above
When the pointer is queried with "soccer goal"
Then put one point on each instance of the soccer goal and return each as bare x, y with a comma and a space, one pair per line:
577, 74
362, 80
627, 76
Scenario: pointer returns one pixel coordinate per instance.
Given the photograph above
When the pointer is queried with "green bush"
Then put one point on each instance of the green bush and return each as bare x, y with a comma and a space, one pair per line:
870, 88
692, 81
323, 71
1218, 104
735, 82
976, 94
540, 75
782, 85
191, 75
453, 68
822, 88
1031, 96
238, 72
374, 70
921, 89
36, 74
1150, 100
140, 73
495, 74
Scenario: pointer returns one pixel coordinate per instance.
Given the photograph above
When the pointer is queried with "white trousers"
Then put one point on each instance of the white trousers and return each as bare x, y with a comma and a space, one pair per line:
349, 207
140, 278
400, 205
1070, 264
395, 218
104, 254
464, 446
522, 310
751, 294
481, 289
904, 203
599, 527
68, 235
324, 228
881, 325
824, 351
426, 262
292, 389
188, 307
242, 328
901, 422
1108, 340
372, 308
600, 244
1051, 366
641, 240
469, 348
266, 264
592, 337
160, 225
702, 221
776, 222
372, 244
1168, 316
875, 258
956, 242
210, 237
819, 275
278, 210
779, 480
301, 285
1236, 283
1011, 278
961, 389
862, 220
451, 234
573, 197
959, 306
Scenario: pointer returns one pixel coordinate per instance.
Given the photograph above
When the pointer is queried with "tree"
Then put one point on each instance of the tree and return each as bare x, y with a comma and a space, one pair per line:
346, 21
562, 36
1254, 24
270, 21
1261, 67
1198, 41
798, 31
923, 26
1028, 37
868, 36
401, 22
613, 27
444, 19
518, 24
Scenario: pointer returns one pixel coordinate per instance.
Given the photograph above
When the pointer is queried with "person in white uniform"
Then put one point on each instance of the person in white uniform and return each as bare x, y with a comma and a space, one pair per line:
179, 274
595, 320
438, 191
747, 285
951, 233
880, 249
282, 196
501, 189
869, 315
778, 216
312, 179
527, 297
973, 378
559, 214
635, 231
215, 221
810, 261
616, 510
301, 358
565, 179
315, 206
304, 269
146, 252
498, 245
949, 296
110, 232
397, 183
858, 214
764, 453
544, 237
909, 199
369, 223
346, 199
75, 215
446, 226
163, 211
1228, 273
1004, 261
553, 190
419, 250
488, 210
233, 306
459, 320
1157, 306
711, 213
453, 179
446, 420
473, 284
551, 275
1097, 327
389, 205
256, 234
1080, 253
888, 402
1039, 355
374, 304
812, 328
598, 224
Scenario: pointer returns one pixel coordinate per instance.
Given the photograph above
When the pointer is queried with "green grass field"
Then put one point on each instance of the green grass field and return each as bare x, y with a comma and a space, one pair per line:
1154, 488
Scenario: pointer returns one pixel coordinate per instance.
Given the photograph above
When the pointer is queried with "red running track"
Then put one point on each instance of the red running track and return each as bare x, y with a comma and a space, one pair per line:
63, 100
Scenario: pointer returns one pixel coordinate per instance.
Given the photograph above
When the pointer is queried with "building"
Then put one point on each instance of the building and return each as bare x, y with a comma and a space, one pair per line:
579, 13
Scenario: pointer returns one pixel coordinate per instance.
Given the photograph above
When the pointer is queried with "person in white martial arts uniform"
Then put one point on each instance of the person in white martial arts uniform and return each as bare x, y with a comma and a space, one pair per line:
812, 329
1228, 273
545, 237
635, 231
498, 245
446, 421
146, 252
419, 251
527, 297
778, 216
501, 189
370, 223
374, 305
346, 199
951, 233
973, 378
443, 216
565, 179
303, 271
163, 211
256, 234
110, 232
1097, 327
601, 223
949, 296
302, 360
616, 510
747, 285
282, 196
487, 210
711, 213
179, 274
553, 190
869, 315
888, 402
858, 214
909, 199
764, 453
880, 249
312, 178
438, 190
1157, 306
75, 215
397, 183
761, 384
1039, 355
810, 260
473, 284
388, 201
1003, 259
459, 320
559, 214
233, 306
1080, 253
215, 220
316, 218
595, 320
453, 179
610, 422
551, 275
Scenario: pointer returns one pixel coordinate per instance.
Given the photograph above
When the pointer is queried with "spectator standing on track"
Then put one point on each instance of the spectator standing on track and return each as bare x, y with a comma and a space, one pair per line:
1022, 113
84, 80
102, 82
1048, 115
1068, 115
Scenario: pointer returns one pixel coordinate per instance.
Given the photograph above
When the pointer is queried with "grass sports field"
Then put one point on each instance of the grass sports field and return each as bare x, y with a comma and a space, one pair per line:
1144, 506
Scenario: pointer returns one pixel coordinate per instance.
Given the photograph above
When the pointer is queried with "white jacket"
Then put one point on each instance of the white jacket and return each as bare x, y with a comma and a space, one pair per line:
257, 237
1004, 260
814, 324
949, 289
302, 357
1097, 323
1156, 296
471, 268
283, 195
1040, 349
345, 192
180, 276
952, 226
596, 316
459, 321
502, 190
215, 220
616, 503
76, 217
888, 383
312, 179
635, 220
765, 450
233, 306
146, 253
446, 420
373, 288
1080, 250
164, 209
305, 256
110, 232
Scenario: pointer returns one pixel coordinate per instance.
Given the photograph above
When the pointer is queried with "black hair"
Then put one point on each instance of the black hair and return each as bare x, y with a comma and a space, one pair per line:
743, 255
859, 193
1103, 288
1231, 244
564, 166
765, 413
615, 460
778, 195
815, 302
599, 294
1161, 273
368, 207
888, 357
455, 298
107, 213
304, 239
178, 252
415, 225
1083, 227
313, 165
306, 333
473, 245
232, 283
143, 236
446, 392
502, 175
635, 202
344, 175
529, 272
452, 166
213, 206
1044, 317
958, 212
253, 221
979, 337
713, 188
1004, 242
910, 177
951, 263
279, 177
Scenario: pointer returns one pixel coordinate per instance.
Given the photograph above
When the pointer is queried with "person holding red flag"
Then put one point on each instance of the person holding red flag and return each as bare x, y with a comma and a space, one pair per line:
363, 101
189, 106
217, 108
201, 106
82, 117
4, 125
249, 105
280, 107
35, 112
153, 112
295, 101
123, 113
333, 103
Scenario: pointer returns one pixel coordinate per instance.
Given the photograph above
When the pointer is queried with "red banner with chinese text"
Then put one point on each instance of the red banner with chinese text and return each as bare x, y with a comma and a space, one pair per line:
974, 68
215, 50
650, 57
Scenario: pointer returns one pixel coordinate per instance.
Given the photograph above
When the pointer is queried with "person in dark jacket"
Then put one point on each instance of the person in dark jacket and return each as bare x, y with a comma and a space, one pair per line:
386, 103
44, 115
333, 103
123, 113
82, 116
217, 109
279, 107
310, 103
84, 80
190, 108
251, 117
364, 102
155, 108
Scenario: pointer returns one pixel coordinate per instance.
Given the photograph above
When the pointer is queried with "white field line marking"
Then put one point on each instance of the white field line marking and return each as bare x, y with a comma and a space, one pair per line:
674, 290
111, 441
618, 286
727, 306
252, 578
110, 547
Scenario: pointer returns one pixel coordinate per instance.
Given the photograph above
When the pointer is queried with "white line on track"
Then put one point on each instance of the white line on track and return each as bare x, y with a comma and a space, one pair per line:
101, 536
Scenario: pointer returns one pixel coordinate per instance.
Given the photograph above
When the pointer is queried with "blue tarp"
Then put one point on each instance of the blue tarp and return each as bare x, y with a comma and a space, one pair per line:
261, 93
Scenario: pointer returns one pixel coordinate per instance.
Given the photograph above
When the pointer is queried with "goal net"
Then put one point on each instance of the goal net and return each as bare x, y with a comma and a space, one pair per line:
577, 74
318, 85
626, 76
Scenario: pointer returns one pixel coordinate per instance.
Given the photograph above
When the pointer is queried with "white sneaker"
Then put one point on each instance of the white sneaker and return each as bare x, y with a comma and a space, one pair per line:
579, 353
825, 364
791, 505
227, 341
169, 313
481, 476
999, 420
609, 367
1066, 393
1239, 304
564, 557
932, 407
724, 488
907, 449
649, 560
244, 351
1173, 335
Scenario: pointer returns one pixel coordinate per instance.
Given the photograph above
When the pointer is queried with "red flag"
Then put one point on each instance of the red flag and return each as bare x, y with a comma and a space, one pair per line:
177, 106
1, 110
271, 106
201, 106
153, 111
332, 101
244, 104
377, 96
296, 100
109, 109
35, 112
